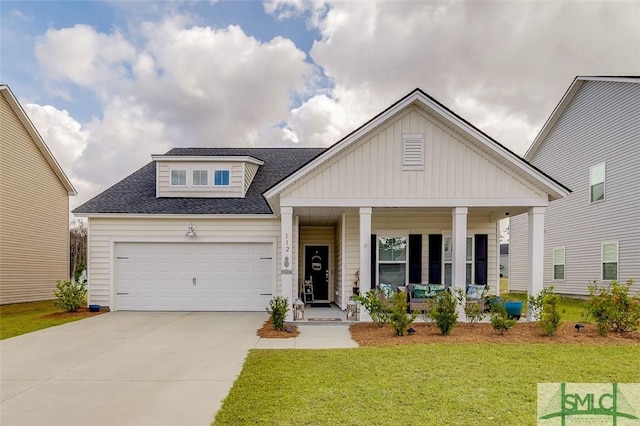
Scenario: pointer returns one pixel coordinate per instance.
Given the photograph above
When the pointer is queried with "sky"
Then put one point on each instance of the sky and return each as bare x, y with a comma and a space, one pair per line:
109, 83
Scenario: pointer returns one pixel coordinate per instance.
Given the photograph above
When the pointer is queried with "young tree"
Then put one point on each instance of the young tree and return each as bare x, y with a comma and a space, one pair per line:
77, 246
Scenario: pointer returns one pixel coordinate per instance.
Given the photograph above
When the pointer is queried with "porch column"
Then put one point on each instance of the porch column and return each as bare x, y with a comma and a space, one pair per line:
286, 266
459, 239
536, 253
365, 256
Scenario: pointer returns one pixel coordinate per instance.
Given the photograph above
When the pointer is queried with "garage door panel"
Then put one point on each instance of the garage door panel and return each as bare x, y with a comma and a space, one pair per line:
159, 276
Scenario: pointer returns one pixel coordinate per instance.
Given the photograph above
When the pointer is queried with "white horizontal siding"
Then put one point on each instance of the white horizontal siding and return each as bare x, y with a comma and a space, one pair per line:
104, 231
250, 171
236, 188
601, 123
518, 252
373, 167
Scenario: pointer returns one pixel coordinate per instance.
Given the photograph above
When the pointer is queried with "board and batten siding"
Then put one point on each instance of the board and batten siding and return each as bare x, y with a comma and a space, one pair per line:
236, 188
103, 232
600, 124
372, 167
34, 217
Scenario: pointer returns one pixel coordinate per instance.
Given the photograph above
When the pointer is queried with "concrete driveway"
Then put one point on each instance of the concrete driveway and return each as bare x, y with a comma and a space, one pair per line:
125, 368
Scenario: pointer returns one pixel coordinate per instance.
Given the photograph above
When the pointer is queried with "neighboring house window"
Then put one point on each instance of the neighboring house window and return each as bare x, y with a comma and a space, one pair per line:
178, 177
596, 182
200, 178
413, 150
558, 263
221, 178
392, 260
610, 261
447, 261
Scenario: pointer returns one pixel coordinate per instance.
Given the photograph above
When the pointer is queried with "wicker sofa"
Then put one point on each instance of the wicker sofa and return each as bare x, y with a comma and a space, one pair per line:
421, 295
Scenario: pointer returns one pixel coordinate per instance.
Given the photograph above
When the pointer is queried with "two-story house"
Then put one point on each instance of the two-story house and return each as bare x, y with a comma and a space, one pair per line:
412, 196
591, 143
34, 209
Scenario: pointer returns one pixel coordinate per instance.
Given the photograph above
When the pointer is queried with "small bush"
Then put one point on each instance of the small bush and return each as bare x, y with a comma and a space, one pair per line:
70, 295
373, 305
613, 309
444, 312
500, 321
398, 318
278, 308
549, 314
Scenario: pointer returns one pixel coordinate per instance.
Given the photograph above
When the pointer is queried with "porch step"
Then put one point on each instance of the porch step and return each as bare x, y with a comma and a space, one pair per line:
320, 321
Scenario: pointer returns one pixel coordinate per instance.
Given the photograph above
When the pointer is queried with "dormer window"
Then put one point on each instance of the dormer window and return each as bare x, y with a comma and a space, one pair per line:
200, 178
221, 178
178, 178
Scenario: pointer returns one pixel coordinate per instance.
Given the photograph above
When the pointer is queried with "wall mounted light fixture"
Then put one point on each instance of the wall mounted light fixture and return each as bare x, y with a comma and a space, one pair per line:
191, 231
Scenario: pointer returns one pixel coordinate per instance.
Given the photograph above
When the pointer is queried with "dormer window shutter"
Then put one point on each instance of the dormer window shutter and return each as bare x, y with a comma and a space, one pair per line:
413, 150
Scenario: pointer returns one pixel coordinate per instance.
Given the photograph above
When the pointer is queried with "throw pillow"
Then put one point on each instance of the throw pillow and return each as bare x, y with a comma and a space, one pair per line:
474, 292
387, 289
420, 291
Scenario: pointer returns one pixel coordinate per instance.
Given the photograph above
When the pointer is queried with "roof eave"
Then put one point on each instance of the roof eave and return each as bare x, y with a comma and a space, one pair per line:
35, 135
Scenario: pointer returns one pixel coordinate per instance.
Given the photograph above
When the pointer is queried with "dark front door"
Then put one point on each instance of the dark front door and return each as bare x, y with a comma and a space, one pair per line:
316, 267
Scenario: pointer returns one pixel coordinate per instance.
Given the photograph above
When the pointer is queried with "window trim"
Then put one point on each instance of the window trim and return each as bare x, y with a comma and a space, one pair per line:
221, 185
391, 234
604, 182
564, 263
206, 184
186, 178
617, 243
472, 262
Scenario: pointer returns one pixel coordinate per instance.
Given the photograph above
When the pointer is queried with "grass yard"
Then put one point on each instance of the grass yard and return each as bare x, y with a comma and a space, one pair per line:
24, 318
461, 384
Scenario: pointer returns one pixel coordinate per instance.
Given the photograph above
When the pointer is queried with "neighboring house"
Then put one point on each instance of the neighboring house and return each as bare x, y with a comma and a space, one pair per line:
504, 260
34, 209
227, 229
591, 143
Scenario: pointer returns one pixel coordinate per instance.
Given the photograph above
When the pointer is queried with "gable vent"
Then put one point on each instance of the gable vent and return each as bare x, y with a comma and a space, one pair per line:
413, 150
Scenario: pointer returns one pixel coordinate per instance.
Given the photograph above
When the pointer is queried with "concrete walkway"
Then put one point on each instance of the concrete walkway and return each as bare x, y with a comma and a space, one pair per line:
136, 368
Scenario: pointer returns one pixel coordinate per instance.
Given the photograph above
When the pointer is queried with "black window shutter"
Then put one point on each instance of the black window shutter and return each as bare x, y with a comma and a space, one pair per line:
374, 263
435, 259
415, 258
482, 248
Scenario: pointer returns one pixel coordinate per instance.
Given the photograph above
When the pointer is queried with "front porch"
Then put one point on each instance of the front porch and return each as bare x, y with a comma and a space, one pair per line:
368, 246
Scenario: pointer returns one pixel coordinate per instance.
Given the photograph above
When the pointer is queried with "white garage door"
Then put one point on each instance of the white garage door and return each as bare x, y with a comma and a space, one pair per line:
193, 276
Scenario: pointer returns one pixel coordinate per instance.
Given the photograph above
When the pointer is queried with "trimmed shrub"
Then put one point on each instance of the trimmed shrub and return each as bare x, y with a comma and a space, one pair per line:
70, 295
444, 312
500, 321
613, 309
373, 305
278, 308
398, 318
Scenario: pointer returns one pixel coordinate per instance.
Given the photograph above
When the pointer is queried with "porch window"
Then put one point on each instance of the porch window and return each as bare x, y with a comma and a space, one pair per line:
558, 263
610, 261
447, 261
392, 260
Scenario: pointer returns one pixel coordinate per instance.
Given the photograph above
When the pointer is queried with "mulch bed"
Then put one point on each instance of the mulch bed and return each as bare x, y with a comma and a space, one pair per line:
268, 332
80, 313
369, 334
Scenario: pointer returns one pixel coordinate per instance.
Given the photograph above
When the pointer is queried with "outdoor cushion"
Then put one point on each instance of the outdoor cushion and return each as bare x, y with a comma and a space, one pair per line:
434, 289
474, 292
420, 290
387, 289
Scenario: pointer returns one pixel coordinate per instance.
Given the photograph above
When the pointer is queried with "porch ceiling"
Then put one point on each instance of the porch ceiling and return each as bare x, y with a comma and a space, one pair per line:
327, 216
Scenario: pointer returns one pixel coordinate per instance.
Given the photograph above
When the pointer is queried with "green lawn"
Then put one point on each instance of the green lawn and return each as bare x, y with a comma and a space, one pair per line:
24, 318
573, 308
461, 384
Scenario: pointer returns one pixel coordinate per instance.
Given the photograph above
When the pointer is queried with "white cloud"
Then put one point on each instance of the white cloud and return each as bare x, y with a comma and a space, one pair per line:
83, 56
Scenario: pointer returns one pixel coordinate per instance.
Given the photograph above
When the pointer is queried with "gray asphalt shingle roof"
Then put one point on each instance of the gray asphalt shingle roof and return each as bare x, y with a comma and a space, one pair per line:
137, 192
